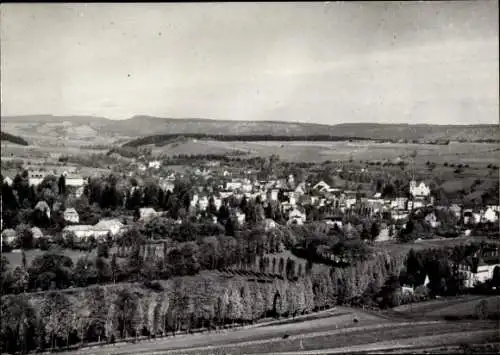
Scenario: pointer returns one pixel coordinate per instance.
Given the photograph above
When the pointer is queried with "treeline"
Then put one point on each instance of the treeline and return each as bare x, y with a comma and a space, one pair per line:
4, 136
207, 301
165, 138
60, 319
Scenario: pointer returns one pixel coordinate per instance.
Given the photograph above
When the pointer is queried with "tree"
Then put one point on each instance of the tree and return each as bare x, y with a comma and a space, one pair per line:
115, 268
103, 250
374, 231
50, 268
25, 237
61, 183
17, 325
126, 307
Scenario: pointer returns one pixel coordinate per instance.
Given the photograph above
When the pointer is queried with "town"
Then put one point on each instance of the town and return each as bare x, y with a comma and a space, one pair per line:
250, 178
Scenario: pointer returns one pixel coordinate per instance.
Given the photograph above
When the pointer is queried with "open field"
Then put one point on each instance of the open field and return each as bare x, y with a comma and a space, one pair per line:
474, 154
395, 247
333, 332
463, 307
15, 257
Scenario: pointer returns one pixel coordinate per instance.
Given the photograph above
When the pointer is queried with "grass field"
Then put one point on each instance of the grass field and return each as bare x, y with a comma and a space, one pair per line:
474, 154
15, 257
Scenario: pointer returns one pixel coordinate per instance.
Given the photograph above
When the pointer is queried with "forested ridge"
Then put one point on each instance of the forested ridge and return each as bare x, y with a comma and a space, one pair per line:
4, 136
162, 139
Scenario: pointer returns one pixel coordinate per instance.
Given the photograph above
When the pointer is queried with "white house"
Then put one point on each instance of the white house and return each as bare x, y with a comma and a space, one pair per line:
399, 203
7, 180
490, 215
70, 215
9, 236
273, 195
166, 185
471, 217
36, 232
240, 217
419, 191
203, 203
155, 164
35, 178
84, 231
194, 200
43, 207
321, 186
113, 226
476, 270
233, 185
147, 213
295, 216
74, 180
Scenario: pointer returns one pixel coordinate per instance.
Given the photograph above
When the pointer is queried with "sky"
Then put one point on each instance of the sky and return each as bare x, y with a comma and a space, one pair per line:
322, 62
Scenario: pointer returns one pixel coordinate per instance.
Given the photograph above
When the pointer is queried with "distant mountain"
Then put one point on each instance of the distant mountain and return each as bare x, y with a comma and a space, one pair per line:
4, 136
92, 129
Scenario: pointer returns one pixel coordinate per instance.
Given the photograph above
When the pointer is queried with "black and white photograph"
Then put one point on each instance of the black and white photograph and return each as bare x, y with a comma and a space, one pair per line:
225, 178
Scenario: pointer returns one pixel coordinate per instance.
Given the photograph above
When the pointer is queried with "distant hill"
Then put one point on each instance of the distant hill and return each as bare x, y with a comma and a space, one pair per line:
99, 129
4, 136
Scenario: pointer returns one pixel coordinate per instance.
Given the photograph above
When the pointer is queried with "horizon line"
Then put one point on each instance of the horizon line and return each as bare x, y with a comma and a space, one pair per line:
238, 120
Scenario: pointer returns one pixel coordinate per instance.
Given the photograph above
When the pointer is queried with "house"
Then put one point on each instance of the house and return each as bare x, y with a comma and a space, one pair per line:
155, 164
141, 167
203, 203
166, 185
43, 207
419, 191
78, 192
471, 217
240, 216
334, 221
36, 232
113, 226
399, 203
70, 215
269, 224
147, 213
74, 180
490, 215
233, 185
7, 180
84, 231
273, 194
36, 177
295, 216
321, 186
477, 269
9, 236
300, 189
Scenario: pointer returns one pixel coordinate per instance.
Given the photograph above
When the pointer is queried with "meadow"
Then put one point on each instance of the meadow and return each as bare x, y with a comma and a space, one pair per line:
474, 154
